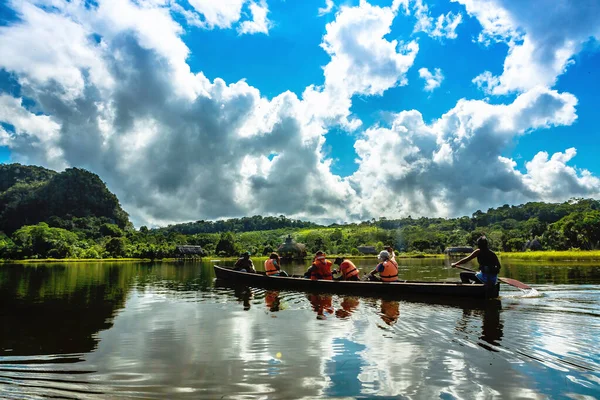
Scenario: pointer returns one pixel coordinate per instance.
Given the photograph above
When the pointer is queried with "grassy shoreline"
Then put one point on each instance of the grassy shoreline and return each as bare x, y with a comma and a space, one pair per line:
207, 258
550, 255
568, 255
76, 260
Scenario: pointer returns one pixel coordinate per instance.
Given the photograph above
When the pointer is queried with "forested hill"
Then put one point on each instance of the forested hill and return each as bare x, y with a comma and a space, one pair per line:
556, 226
536, 225
11, 174
531, 219
70, 199
246, 224
537, 215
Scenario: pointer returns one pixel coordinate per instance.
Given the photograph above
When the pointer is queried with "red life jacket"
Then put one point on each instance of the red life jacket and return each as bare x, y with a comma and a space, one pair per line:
348, 269
390, 271
270, 267
321, 303
321, 270
271, 297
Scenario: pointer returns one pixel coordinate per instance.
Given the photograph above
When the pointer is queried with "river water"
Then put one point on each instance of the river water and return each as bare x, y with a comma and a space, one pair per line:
163, 330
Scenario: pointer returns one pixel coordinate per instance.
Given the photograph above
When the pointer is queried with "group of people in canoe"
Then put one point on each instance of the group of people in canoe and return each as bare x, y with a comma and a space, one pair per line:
385, 271
321, 267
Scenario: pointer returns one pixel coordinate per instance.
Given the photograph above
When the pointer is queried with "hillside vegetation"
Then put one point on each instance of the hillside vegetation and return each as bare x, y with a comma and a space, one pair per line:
72, 214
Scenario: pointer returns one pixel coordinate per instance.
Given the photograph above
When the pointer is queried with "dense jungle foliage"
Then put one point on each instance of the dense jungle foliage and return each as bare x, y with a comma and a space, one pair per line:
72, 214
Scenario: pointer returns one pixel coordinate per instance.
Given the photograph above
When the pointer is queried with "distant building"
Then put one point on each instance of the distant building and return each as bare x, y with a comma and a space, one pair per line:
367, 249
186, 251
459, 250
291, 249
533, 245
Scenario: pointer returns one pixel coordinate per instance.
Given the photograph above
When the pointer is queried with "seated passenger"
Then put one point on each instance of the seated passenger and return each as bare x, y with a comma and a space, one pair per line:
244, 263
387, 269
320, 268
347, 269
273, 266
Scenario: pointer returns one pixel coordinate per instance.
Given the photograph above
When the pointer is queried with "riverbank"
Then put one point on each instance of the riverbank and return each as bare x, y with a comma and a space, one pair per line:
334, 256
213, 258
79, 260
568, 255
550, 255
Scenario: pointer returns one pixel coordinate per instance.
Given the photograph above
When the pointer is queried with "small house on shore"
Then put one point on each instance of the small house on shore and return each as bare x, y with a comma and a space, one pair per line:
533, 245
458, 250
367, 249
291, 249
188, 252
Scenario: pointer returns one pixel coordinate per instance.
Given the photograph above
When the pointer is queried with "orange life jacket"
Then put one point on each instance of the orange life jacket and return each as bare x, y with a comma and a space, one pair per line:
270, 267
348, 269
321, 303
390, 271
349, 303
390, 311
321, 270
271, 297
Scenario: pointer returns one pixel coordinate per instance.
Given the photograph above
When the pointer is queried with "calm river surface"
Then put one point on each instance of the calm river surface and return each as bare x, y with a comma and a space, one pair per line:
163, 330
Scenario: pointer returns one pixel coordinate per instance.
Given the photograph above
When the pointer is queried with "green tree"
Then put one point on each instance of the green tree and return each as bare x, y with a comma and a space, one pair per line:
336, 236
226, 244
41, 241
111, 230
116, 246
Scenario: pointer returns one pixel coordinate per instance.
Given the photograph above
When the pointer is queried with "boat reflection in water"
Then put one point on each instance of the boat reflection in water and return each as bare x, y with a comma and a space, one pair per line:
244, 295
390, 311
321, 304
348, 305
491, 326
272, 300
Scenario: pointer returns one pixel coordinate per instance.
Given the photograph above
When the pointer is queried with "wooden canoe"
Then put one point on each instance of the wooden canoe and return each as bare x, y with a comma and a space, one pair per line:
359, 288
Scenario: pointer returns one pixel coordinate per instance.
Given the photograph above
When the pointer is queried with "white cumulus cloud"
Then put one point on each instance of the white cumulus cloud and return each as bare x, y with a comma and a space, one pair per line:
224, 14
218, 13
432, 81
259, 23
454, 165
327, 9
442, 26
362, 61
542, 37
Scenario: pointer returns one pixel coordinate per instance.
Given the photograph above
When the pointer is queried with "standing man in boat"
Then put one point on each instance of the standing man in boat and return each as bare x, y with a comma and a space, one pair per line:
273, 266
244, 263
347, 268
320, 268
489, 265
387, 269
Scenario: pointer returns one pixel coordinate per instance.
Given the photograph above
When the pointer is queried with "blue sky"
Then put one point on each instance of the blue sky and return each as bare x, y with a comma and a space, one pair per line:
153, 95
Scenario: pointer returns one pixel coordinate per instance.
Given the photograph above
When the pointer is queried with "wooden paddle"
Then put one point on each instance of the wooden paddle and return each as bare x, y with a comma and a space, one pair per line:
508, 281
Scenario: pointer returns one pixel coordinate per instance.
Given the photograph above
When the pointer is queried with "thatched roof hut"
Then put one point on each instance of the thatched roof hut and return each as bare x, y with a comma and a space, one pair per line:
533, 244
367, 249
291, 249
189, 251
459, 250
